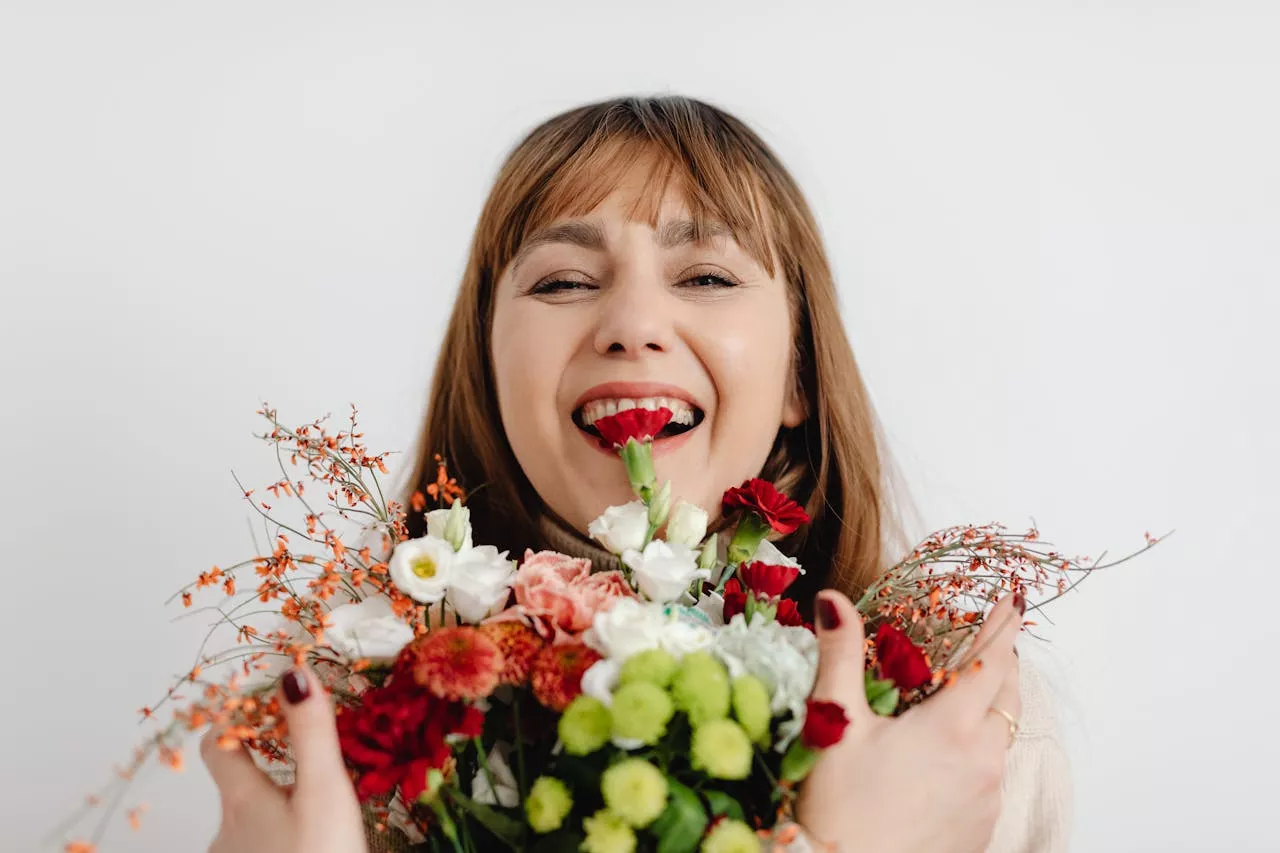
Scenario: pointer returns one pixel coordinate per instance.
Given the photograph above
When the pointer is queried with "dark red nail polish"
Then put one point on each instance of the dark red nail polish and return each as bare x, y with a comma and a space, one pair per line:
828, 614
296, 687
1020, 602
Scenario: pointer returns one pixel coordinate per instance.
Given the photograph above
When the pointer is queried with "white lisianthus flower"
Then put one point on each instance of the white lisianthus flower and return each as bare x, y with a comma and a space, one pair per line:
768, 553
481, 583
621, 528
367, 629
632, 626
664, 570
438, 524
687, 525
423, 568
503, 792
784, 657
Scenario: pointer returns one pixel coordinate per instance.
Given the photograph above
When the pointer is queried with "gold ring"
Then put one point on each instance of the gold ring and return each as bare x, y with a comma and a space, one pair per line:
1013, 723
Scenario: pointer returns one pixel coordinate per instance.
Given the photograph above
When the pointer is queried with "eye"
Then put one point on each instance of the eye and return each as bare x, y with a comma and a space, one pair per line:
708, 281
558, 287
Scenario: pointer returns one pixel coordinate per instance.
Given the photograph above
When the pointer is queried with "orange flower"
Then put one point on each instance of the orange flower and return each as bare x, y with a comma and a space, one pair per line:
455, 663
519, 644
557, 673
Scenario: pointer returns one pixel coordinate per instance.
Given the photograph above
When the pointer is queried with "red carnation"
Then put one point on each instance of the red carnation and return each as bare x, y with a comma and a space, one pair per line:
557, 673
766, 580
901, 661
824, 724
776, 509
637, 423
789, 614
735, 599
519, 644
456, 663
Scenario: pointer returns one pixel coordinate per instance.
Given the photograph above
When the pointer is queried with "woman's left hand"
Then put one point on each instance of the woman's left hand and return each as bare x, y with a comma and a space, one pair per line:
319, 815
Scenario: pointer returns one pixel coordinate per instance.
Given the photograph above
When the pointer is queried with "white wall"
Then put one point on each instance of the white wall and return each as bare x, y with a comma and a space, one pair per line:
1055, 226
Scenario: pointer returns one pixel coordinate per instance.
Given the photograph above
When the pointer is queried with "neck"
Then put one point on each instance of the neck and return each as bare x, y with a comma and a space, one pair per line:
556, 535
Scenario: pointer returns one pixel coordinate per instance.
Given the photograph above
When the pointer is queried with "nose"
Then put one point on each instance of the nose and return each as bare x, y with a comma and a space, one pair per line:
635, 318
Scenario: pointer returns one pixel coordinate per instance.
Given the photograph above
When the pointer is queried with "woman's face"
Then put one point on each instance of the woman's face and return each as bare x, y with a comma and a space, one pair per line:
601, 313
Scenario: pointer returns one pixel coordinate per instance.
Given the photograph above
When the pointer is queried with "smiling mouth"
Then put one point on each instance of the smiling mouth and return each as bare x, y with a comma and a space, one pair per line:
684, 416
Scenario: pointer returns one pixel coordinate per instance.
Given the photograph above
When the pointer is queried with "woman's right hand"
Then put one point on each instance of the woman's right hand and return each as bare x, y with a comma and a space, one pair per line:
928, 780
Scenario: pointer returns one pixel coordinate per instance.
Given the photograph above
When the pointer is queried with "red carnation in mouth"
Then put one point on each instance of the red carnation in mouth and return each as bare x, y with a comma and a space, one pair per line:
640, 424
776, 509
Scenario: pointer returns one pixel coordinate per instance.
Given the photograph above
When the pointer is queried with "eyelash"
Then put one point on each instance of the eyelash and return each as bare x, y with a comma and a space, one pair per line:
554, 287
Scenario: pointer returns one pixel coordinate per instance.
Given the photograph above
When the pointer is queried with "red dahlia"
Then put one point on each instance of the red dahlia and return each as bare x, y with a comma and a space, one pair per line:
824, 724
760, 497
456, 663
901, 661
766, 580
557, 673
640, 424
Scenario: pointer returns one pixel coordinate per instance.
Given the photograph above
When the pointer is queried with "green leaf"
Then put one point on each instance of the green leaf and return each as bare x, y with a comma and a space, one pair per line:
506, 828
723, 804
882, 695
679, 828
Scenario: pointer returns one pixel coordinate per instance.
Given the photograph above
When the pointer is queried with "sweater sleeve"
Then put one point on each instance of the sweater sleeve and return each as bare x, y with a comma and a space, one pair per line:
1038, 799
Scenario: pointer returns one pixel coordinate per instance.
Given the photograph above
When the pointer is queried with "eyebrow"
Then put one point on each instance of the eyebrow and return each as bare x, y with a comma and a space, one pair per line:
589, 235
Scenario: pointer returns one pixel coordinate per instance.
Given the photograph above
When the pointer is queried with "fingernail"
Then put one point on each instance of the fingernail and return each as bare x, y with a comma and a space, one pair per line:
1020, 602
828, 615
296, 686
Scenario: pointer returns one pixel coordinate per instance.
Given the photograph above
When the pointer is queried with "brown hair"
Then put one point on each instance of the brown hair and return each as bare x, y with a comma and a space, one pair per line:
833, 463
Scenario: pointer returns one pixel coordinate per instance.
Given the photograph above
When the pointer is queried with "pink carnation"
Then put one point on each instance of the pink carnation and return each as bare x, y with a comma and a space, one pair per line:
561, 594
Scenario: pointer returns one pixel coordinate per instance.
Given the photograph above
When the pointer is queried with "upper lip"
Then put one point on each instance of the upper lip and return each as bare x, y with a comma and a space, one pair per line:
633, 391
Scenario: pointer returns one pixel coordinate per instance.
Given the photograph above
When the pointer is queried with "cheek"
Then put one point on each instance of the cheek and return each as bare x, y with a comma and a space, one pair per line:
528, 361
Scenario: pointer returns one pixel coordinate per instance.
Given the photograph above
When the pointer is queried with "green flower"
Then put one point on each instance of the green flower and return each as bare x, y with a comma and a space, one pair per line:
584, 726
641, 711
635, 791
722, 749
655, 666
548, 804
701, 688
751, 707
731, 836
607, 833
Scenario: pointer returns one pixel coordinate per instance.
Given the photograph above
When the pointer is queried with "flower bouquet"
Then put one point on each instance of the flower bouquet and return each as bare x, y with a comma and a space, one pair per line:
543, 703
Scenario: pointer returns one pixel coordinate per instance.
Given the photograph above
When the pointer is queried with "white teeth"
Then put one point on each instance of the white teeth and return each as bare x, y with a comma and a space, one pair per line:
681, 412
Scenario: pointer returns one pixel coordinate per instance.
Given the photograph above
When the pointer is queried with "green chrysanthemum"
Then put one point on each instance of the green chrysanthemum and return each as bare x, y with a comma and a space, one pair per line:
731, 836
635, 791
655, 666
607, 833
701, 688
549, 803
584, 726
641, 711
722, 749
751, 707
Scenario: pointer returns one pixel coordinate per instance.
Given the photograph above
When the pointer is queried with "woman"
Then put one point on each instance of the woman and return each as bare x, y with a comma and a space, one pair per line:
648, 251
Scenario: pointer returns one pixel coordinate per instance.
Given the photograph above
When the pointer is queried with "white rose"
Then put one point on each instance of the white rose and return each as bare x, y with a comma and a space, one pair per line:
621, 528
367, 629
423, 568
503, 792
784, 657
664, 570
688, 524
481, 583
632, 626
438, 522
768, 553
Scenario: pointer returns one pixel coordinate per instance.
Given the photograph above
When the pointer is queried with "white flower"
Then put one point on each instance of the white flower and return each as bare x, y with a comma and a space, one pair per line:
768, 553
664, 569
784, 657
632, 626
368, 629
712, 604
503, 792
438, 525
423, 568
481, 583
688, 524
621, 528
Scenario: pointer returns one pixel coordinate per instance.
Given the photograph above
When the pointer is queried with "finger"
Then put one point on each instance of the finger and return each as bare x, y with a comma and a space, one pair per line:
313, 736
991, 659
238, 779
1009, 699
841, 644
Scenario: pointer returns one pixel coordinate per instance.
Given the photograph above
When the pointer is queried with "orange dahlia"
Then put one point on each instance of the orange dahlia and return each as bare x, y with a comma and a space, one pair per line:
457, 663
519, 644
557, 673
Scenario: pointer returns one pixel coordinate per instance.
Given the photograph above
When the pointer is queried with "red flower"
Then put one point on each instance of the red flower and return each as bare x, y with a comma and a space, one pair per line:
637, 423
776, 509
397, 734
519, 644
557, 673
456, 663
824, 724
789, 614
901, 661
735, 599
768, 581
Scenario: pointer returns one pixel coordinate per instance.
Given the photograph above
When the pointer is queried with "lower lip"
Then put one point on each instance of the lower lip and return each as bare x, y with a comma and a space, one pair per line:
661, 446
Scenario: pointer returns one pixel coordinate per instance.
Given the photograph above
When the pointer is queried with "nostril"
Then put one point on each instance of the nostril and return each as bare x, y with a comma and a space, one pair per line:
616, 347
654, 347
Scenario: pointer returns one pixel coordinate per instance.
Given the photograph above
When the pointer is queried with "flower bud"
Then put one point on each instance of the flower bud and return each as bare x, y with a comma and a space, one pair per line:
660, 508
457, 528
710, 552
638, 457
688, 524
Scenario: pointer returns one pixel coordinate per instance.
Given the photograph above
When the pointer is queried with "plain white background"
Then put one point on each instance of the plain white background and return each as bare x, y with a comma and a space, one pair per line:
1056, 232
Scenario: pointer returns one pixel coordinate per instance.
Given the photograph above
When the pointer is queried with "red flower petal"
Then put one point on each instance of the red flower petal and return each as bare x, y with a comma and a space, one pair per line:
901, 661
824, 724
789, 614
766, 580
776, 509
637, 423
735, 599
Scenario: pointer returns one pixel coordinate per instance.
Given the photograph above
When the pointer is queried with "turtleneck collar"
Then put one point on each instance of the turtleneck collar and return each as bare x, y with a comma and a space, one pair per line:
558, 536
